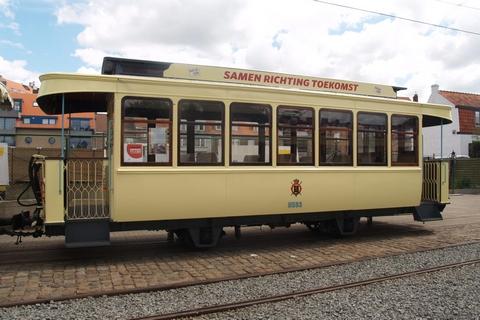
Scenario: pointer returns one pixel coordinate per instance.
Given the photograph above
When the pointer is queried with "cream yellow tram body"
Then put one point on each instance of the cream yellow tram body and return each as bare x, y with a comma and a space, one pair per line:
207, 147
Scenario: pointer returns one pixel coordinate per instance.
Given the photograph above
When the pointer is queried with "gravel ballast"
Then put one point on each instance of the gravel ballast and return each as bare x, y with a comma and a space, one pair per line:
452, 294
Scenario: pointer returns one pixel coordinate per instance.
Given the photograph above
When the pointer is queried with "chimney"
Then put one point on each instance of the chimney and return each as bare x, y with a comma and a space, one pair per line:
435, 88
415, 97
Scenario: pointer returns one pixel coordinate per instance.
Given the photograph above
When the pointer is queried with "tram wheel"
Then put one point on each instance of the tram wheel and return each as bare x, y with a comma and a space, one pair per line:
346, 226
200, 238
314, 226
184, 237
338, 227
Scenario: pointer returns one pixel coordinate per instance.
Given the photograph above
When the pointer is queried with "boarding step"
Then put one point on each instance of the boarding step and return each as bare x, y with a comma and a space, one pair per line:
427, 211
87, 233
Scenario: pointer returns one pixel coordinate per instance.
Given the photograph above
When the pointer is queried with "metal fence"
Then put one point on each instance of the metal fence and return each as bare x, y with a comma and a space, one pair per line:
432, 173
87, 189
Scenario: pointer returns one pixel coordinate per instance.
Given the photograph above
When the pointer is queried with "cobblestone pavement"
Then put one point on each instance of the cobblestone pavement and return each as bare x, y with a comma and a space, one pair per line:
260, 250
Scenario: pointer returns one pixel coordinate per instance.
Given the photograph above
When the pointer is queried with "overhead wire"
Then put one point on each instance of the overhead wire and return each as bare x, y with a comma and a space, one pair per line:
397, 17
458, 5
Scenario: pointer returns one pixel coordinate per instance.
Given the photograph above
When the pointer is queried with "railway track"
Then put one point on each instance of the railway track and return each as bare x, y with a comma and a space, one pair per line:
137, 251
297, 294
220, 279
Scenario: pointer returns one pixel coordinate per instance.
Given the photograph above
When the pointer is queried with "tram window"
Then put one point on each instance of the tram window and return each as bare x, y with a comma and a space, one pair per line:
336, 138
250, 133
146, 124
371, 139
200, 141
295, 135
404, 140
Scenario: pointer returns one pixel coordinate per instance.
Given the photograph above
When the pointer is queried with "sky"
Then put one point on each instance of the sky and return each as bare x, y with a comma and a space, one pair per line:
304, 37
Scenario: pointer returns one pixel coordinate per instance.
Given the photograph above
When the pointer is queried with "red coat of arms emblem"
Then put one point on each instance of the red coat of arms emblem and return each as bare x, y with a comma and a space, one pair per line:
296, 187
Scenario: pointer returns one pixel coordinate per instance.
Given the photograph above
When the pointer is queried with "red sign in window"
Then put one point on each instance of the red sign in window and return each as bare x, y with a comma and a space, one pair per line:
135, 150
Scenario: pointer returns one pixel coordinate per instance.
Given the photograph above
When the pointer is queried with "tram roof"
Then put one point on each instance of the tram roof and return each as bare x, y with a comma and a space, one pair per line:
144, 68
92, 93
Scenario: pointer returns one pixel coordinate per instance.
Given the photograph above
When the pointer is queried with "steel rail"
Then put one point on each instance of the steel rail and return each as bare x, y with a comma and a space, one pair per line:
297, 294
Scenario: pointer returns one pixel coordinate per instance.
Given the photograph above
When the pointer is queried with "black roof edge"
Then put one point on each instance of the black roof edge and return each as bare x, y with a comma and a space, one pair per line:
396, 89
133, 67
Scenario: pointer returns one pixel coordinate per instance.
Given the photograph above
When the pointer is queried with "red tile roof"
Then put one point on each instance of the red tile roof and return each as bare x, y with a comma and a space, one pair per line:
462, 99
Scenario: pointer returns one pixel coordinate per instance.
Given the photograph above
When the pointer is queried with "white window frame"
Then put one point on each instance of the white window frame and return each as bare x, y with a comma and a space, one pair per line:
200, 143
17, 104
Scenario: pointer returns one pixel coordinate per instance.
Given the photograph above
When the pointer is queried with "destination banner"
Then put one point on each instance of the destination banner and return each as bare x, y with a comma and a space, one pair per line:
220, 74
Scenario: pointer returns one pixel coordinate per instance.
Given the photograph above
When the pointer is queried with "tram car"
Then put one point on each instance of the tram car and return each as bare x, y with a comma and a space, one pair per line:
192, 149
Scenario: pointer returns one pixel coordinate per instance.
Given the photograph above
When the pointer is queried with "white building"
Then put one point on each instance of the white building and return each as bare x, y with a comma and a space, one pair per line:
458, 135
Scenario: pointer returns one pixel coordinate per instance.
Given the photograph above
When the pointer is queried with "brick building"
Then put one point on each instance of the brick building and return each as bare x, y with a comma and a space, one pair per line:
462, 132
28, 126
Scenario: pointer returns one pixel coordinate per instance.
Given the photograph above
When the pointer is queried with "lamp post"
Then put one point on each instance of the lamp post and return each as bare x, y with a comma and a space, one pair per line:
453, 160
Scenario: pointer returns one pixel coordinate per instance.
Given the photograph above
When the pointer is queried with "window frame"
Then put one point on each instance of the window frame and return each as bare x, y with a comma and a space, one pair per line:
385, 139
5, 137
352, 130
231, 136
76, 124
416, 143
122, 137
313, 128
4, 121
14, 122
222, 135
476, 117
20, 104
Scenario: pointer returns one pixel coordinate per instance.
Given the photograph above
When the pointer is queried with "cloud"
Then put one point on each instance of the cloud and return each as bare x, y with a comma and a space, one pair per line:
17, 71
91, 57
6, 10
12, 44
302, 37
88, 70
9, 21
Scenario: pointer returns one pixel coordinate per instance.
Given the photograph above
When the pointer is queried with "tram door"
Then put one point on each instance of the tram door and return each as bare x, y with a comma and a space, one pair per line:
87, 194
